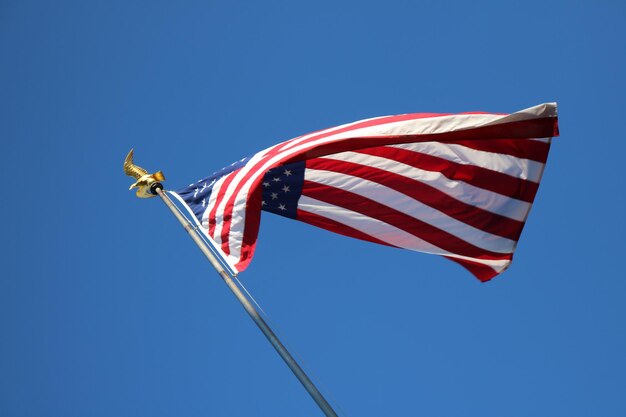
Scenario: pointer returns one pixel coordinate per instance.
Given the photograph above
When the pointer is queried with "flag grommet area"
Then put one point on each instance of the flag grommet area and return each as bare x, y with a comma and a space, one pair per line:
456, 185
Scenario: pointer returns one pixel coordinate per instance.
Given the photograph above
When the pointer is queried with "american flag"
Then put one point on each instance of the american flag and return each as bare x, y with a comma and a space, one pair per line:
456, 185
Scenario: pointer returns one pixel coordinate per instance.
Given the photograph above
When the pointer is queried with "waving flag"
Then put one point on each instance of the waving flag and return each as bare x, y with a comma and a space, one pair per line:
456, 185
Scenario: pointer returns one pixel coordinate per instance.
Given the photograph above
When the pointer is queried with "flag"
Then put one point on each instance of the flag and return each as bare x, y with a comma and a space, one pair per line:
456, 185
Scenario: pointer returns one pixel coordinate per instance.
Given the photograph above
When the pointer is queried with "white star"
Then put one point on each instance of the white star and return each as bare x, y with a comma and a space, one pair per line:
204, 186
203, 202
195, 194
287, 172
286, 188
263, 202
274, 196
281, 207
275, 179
266, 184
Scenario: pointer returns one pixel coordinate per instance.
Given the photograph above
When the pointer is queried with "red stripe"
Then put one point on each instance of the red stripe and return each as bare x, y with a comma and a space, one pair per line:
481, 271
218, 200
520, 148
477, 176
416, 227
536, 128
334, 226
251, 229
466, 213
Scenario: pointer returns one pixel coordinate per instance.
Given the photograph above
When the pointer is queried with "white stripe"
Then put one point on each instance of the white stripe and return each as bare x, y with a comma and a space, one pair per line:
536, 112
411, 207
449, 123
424, 126
506, 164
462, 191
212, 199
385, 232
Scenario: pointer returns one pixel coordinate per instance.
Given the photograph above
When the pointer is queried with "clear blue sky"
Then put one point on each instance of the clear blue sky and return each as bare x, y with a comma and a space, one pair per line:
108, 309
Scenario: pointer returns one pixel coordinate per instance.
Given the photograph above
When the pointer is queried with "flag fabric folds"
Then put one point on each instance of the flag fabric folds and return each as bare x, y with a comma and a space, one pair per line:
456, 185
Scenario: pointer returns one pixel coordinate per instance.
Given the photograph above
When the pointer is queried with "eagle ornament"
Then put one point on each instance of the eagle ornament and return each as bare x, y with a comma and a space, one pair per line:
145, 181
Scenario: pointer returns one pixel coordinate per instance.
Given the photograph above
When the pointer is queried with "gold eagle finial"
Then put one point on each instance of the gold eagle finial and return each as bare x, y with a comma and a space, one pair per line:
144, 179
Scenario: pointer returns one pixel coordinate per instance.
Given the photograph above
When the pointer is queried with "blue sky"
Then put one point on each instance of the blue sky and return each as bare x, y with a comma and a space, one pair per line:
107, 308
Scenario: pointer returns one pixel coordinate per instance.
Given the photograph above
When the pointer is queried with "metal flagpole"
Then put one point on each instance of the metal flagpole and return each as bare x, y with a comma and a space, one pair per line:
149, 185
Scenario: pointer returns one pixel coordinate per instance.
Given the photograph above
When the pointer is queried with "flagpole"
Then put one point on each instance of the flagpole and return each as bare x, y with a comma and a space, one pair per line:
317, 396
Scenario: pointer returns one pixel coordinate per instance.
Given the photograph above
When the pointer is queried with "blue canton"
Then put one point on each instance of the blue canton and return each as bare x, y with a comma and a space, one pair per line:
282, 187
